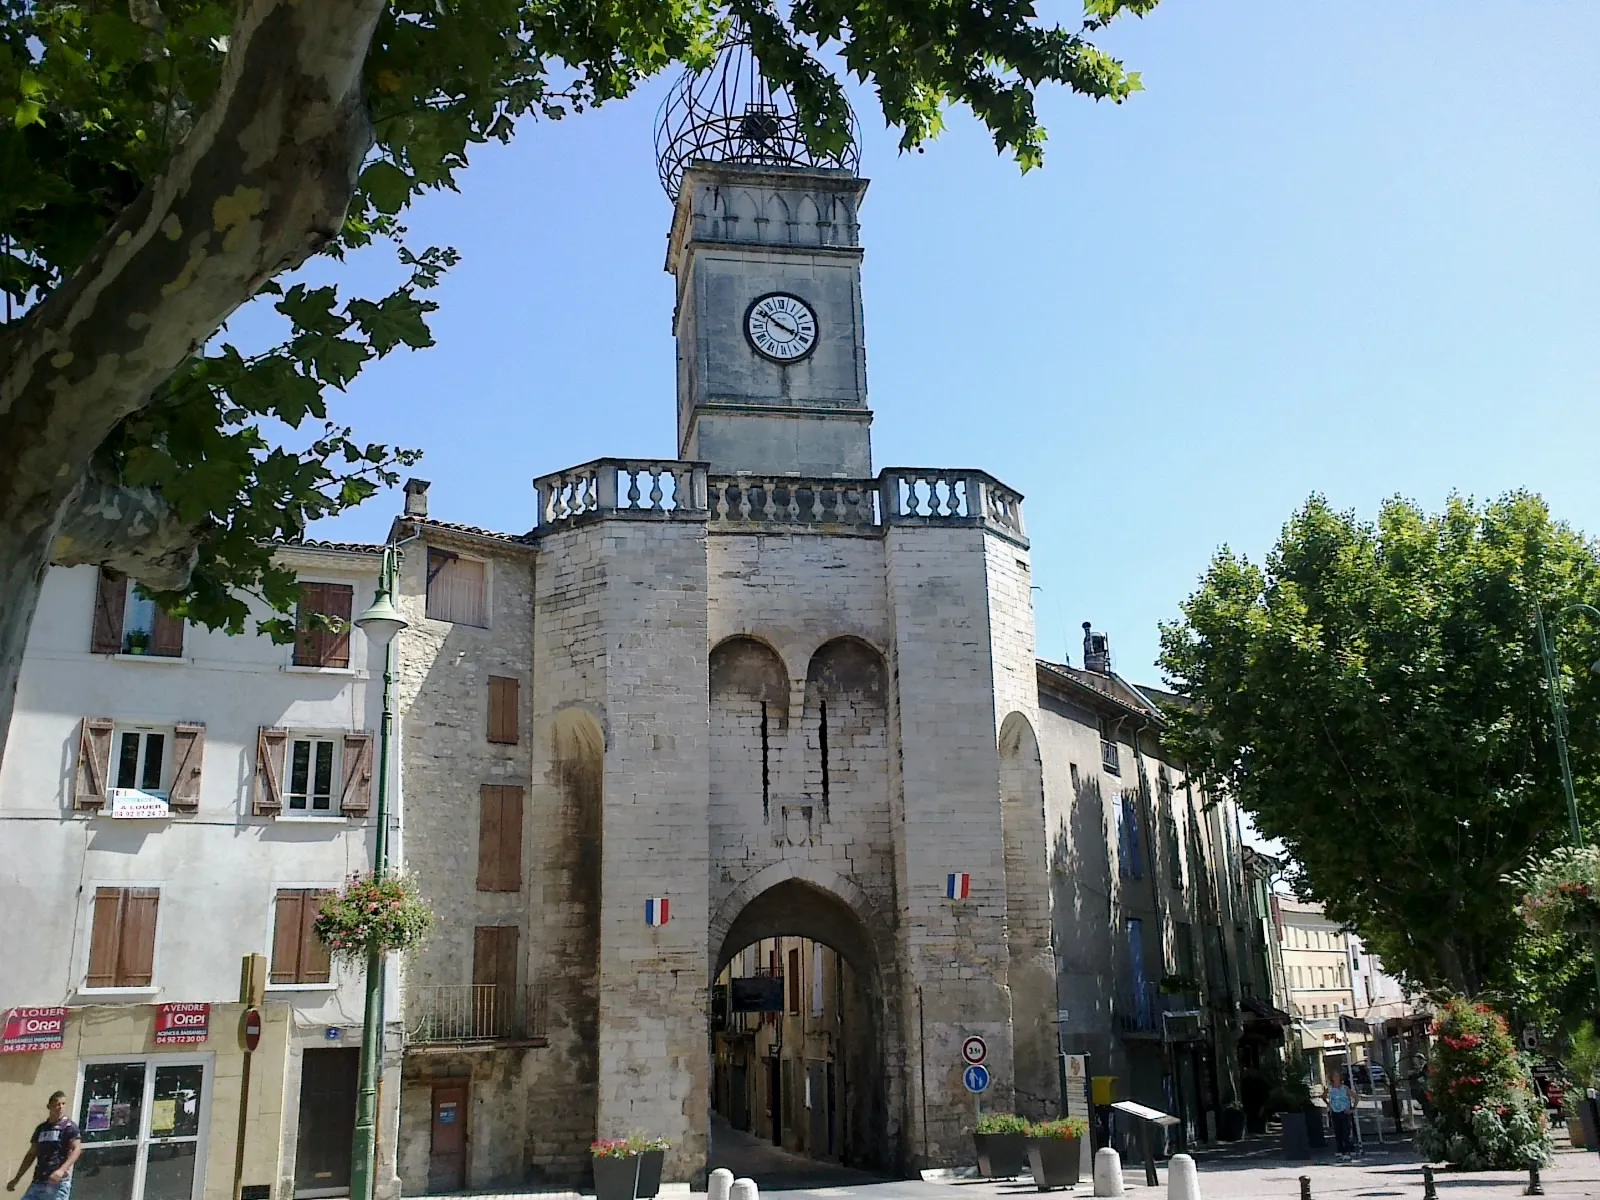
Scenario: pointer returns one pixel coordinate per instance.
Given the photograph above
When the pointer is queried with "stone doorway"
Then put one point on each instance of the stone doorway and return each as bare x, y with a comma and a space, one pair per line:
797, 1048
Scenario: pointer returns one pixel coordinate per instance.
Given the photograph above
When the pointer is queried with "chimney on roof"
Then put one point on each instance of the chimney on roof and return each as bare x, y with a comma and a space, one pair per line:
1096, 651
417, 497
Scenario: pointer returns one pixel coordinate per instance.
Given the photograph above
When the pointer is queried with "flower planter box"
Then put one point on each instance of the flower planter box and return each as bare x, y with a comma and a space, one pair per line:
1296, 1142
616, 1178
649, 1185
1001, 1155
1230, 1125
1055, 1161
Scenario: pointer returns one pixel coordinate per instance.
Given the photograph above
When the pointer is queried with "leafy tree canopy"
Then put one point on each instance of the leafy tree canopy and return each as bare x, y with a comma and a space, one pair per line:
1374, 696
164, 161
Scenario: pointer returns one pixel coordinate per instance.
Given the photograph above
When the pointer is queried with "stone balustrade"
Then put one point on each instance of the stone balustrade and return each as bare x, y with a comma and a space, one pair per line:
667, 489
660, 488
782, 500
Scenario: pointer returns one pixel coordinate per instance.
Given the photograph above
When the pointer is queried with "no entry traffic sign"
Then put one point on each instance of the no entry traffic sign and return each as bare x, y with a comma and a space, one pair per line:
974, 1051
976, 1079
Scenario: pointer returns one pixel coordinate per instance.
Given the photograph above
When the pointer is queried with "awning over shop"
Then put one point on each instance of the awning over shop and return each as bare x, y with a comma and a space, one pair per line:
1260, 1010
1353, 1024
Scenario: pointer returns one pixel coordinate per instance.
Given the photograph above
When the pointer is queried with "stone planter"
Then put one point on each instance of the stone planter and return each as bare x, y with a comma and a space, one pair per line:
1001, 1155
1296, 1143
1055, 1161
1230, 1124
649, 1174
616, 1178
1316, 1131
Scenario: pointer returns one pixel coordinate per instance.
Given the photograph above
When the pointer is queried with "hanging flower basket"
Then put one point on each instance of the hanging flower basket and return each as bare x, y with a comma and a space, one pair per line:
373, 914
1561, 891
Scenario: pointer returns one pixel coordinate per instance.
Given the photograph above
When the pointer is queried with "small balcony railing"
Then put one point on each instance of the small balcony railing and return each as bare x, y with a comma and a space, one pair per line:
475, 1012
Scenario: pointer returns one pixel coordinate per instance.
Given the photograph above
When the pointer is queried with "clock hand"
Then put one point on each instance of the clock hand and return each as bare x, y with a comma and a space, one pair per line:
791, 330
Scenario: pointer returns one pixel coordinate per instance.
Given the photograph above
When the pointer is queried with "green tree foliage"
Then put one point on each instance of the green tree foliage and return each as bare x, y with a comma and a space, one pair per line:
1374, 697
163, 161
1485, 1115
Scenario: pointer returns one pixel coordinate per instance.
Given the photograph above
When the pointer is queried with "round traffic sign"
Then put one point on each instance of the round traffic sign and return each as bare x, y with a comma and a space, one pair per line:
252, 1028
976, 1078
974, 1050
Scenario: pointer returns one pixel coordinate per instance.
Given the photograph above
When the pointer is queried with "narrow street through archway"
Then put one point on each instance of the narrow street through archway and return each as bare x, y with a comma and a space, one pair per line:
775, 1169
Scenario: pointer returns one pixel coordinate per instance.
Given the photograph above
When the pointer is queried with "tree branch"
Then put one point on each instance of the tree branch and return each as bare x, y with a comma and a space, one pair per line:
131, 530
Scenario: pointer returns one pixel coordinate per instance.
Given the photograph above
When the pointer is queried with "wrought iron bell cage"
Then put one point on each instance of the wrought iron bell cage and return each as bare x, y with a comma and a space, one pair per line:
730, 113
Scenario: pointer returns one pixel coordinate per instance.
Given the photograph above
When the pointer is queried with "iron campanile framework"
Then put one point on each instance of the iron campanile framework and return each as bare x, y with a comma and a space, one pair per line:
730, 113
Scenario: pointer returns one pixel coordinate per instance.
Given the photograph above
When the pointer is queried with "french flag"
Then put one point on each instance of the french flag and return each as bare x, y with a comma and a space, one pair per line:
958, 886
656, 911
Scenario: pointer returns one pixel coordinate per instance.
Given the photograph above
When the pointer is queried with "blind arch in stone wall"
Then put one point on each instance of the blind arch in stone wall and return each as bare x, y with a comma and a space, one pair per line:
749, 721
846, 723
1029, 944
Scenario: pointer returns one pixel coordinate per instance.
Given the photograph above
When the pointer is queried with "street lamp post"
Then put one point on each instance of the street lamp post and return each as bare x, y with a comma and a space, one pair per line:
1558, 712
381, 622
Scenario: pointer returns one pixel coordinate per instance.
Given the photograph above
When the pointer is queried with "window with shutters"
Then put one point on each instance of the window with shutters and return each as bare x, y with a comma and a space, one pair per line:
126, 621
794, 982
494, 979
458, 589
122, 938
311, 774
504, 709
298, 958
500, 838
322, 625
140, 760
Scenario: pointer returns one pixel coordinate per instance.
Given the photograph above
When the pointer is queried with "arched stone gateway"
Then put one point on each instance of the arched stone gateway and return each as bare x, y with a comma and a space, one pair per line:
815, 1075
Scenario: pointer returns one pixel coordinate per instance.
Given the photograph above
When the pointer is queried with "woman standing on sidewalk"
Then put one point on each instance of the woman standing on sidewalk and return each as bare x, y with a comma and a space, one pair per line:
1341, 1104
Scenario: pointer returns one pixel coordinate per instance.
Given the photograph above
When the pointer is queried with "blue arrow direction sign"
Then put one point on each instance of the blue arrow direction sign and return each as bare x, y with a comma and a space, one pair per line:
976, 1078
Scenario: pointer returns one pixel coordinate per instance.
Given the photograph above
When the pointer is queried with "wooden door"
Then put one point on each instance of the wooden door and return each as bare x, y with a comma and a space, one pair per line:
328, 1082
494, 978
447, 1159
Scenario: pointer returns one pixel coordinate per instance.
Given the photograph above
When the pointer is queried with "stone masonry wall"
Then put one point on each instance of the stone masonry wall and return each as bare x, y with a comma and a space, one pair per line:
953, 951
1031, 959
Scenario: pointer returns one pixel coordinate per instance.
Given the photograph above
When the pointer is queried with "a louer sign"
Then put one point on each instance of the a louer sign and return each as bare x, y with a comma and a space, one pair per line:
30, 1029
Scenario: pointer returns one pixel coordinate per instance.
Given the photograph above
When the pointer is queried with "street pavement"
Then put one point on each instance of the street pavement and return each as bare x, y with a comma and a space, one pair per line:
1248, 1171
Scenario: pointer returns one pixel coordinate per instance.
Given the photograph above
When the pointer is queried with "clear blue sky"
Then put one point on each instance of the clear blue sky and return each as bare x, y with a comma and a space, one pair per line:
1350, 250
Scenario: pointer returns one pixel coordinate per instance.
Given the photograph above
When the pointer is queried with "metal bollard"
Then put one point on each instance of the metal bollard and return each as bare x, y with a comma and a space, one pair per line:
1535, 1187
1305, 1187
1429, 1192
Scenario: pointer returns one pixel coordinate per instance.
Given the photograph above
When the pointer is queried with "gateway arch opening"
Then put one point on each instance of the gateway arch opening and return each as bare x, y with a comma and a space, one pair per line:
797, 1014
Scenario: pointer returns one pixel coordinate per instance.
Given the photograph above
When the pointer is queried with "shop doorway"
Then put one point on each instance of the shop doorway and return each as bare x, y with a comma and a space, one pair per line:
328, 1083
144, 1123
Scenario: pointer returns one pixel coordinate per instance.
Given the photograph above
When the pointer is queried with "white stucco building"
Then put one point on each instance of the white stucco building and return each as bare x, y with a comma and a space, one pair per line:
171, 801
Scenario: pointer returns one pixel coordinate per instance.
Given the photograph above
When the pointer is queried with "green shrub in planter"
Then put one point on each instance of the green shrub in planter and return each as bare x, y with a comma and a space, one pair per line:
1002, 1145
1485, 1116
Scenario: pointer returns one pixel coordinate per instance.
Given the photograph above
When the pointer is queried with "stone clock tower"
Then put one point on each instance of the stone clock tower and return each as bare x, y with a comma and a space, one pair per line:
772, 374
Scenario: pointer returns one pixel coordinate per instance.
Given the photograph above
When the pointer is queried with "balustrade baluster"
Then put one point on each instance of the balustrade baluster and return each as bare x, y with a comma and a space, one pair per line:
633, 486
816, 501
744, 499
769, 508
655, 489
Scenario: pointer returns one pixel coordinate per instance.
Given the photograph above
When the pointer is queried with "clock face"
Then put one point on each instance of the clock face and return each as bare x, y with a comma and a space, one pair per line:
781, 327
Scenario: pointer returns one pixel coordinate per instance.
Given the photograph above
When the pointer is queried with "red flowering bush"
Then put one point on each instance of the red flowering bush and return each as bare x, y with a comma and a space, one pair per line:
373, 913
1485, 1114
612, 1148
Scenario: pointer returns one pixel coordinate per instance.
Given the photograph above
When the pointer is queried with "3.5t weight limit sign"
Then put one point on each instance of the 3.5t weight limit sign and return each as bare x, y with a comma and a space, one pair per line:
974, 1051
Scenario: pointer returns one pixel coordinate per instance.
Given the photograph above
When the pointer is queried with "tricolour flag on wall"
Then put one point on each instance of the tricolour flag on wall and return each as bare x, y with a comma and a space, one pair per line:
656, 911
958, 886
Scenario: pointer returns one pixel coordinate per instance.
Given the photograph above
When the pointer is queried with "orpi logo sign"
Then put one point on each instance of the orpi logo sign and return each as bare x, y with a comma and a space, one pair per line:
182, 1024
30, 1029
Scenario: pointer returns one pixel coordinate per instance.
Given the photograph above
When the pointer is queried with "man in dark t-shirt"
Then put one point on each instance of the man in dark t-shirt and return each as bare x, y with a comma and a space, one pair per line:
52, 1151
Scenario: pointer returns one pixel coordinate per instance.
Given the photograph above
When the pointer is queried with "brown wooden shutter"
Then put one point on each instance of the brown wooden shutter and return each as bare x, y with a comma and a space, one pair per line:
167, 639
286, 939
110, 601
136, 956
338, 601
794, 982
494, 956
188, 749
305, 636
504, 709
94, 763
315, 965
271, 745
356, 798
511, 839
489, 838
105, 932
